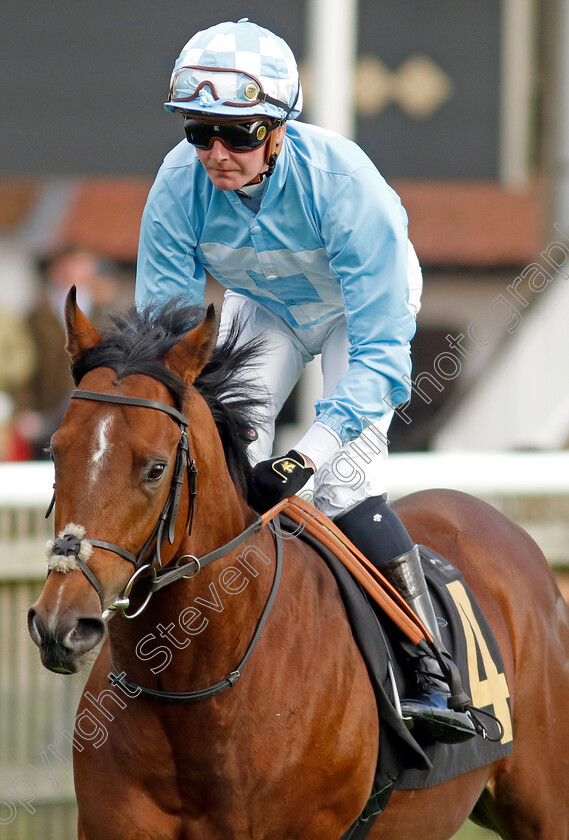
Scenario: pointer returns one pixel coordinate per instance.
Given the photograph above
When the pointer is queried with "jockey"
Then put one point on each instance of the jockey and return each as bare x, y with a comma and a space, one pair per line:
311, 245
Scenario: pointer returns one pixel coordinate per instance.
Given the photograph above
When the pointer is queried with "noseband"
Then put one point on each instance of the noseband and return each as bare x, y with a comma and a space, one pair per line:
65, 546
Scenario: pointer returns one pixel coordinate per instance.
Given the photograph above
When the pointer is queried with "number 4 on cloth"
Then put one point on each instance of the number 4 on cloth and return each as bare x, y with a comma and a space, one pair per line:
493, 690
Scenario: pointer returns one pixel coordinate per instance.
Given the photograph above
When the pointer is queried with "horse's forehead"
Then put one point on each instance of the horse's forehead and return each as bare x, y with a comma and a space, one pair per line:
106, 381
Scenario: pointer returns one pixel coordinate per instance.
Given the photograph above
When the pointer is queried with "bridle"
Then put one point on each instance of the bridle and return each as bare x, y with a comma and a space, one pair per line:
69, 544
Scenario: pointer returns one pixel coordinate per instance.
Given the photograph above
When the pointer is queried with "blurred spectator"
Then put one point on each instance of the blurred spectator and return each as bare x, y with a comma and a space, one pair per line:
17, 363
41, 402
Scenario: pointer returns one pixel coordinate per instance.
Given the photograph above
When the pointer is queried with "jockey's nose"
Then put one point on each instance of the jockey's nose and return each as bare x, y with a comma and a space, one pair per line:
218, 150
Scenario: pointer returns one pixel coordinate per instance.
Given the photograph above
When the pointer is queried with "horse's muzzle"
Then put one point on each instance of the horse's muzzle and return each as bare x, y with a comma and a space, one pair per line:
62, 646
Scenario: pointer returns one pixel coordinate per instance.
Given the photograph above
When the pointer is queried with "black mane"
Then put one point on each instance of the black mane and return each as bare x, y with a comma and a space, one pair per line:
137, 342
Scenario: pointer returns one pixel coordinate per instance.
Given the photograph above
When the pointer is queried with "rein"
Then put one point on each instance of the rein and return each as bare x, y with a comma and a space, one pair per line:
116, 678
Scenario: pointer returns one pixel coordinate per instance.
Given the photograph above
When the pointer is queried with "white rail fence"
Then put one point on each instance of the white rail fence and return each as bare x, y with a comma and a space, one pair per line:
37, 708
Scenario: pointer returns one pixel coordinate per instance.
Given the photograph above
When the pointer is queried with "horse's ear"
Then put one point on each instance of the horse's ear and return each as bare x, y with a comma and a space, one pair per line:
80, 334
190, 355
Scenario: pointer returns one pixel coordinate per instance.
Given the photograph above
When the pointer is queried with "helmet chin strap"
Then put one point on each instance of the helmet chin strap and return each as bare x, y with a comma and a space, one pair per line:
271, 155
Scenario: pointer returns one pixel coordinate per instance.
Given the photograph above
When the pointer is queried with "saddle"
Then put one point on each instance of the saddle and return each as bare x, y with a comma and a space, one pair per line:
312, 521
380, 619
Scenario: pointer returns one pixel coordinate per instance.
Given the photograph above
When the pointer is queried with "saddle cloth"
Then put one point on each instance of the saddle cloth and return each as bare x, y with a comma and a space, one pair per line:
406, 762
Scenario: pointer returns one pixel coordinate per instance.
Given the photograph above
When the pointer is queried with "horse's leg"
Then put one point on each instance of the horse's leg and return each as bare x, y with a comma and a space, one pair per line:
531, 788
523, 805
528, 792
434, 813
527, 795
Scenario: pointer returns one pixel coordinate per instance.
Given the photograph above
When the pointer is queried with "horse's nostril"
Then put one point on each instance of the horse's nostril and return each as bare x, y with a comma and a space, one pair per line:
85, 635
35, 627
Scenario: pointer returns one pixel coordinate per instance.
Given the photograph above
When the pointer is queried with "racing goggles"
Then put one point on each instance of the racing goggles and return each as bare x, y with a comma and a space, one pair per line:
237, 137
225, 86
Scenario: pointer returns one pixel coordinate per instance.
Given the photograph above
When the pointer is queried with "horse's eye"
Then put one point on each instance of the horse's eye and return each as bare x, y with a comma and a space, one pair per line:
155, 472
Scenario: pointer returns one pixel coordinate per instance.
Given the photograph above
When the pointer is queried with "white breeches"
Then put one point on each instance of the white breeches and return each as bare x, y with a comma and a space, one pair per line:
355, 471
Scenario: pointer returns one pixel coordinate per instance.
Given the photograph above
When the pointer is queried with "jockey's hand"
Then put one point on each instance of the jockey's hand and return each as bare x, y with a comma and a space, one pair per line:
277, 479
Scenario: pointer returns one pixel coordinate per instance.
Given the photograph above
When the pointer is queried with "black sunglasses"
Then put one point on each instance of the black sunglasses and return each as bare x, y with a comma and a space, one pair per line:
238, 137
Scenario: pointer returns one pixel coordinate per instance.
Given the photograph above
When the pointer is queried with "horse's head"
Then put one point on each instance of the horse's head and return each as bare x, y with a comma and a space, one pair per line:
123, 470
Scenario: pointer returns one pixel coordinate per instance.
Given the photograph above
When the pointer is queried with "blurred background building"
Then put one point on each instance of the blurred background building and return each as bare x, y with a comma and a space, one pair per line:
461, 107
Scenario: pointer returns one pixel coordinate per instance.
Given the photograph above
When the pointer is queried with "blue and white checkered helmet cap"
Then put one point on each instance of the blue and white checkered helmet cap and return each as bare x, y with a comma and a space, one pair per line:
236, 70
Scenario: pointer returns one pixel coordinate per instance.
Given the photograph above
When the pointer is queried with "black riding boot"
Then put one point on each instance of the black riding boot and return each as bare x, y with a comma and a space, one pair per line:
434, 712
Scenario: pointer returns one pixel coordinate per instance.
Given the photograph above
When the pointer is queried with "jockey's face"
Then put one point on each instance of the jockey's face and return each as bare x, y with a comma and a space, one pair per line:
229, 170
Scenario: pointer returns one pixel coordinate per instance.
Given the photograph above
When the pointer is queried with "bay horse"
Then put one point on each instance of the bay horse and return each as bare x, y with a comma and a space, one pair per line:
287, 749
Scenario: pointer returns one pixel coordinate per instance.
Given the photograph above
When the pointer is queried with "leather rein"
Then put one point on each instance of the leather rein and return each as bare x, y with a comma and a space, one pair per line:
68, 545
